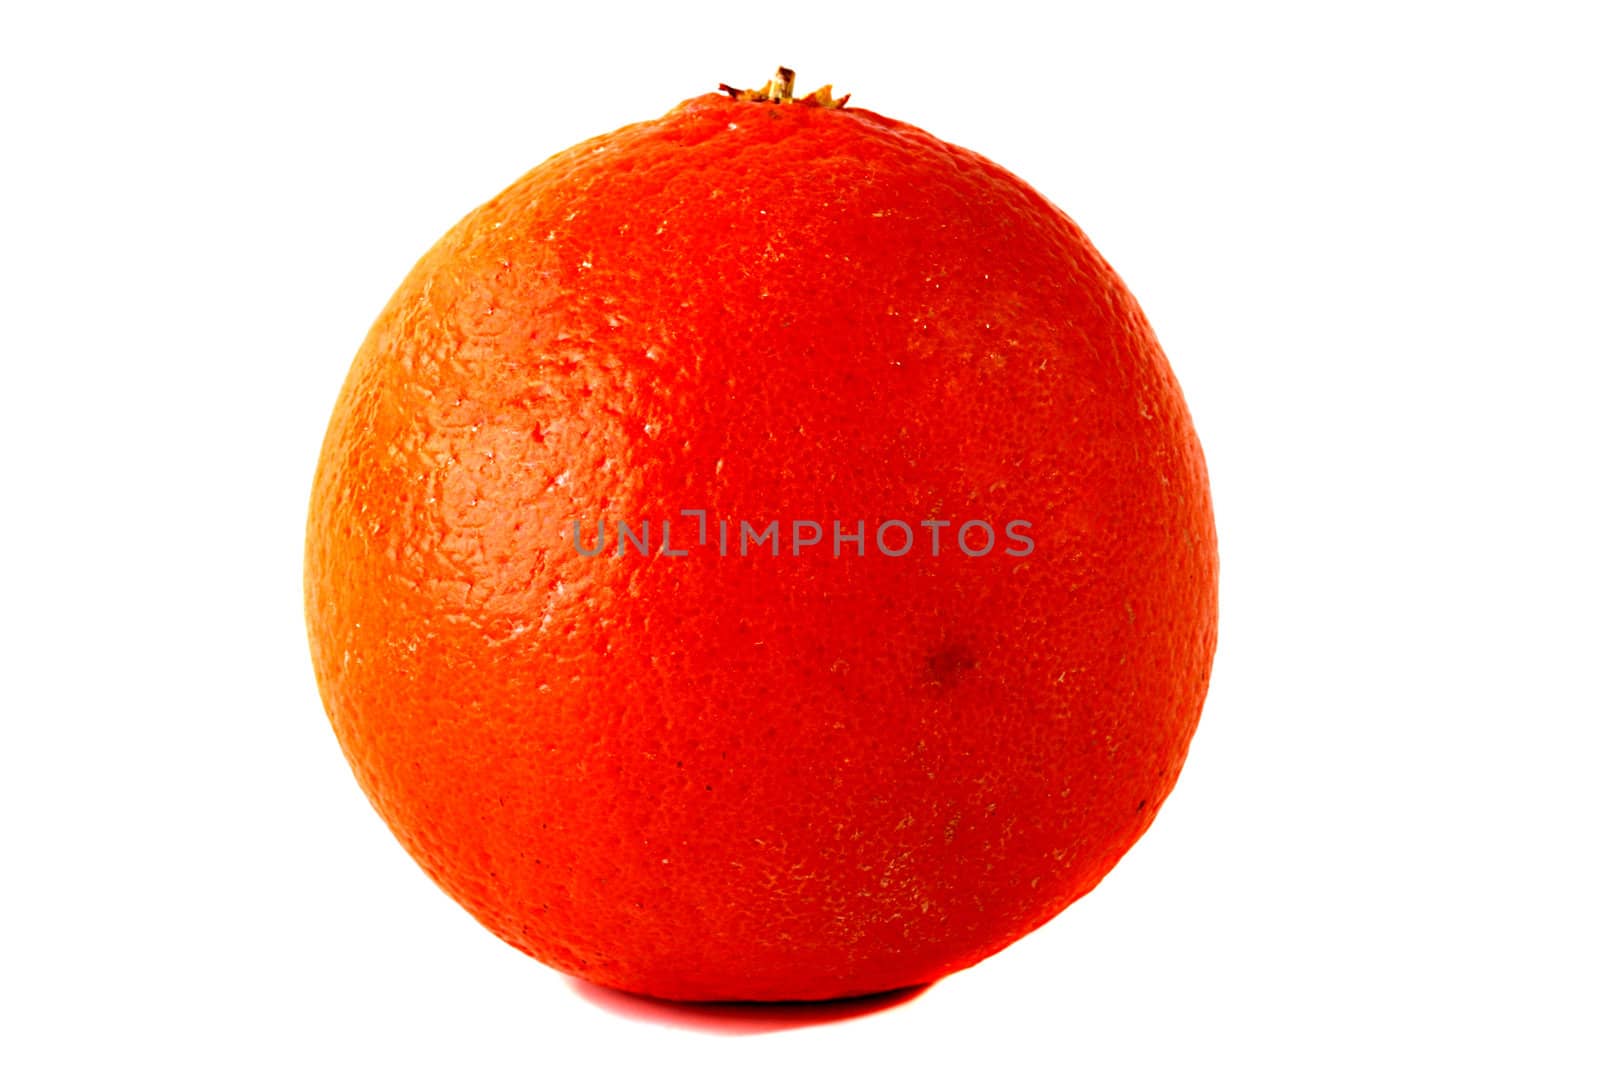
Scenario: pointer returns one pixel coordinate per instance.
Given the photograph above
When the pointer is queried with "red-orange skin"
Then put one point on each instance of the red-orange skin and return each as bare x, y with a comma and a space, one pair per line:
758, 778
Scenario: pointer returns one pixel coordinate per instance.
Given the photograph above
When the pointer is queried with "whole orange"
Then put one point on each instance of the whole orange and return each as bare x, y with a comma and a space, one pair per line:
906, 600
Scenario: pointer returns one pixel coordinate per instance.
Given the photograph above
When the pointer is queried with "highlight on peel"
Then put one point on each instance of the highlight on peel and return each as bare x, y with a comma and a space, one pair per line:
867, 749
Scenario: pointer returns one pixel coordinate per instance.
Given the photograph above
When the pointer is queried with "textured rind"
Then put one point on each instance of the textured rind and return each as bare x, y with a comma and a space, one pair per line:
762, 778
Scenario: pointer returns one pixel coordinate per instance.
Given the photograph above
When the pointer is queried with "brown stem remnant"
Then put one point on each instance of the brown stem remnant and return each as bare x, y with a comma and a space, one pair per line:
780, 90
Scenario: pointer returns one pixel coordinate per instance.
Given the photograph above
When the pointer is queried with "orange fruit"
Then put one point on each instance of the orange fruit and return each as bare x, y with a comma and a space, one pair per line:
718, 758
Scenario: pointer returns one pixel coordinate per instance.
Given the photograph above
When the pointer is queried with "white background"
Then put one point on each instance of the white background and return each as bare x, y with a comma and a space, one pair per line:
1366, 235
